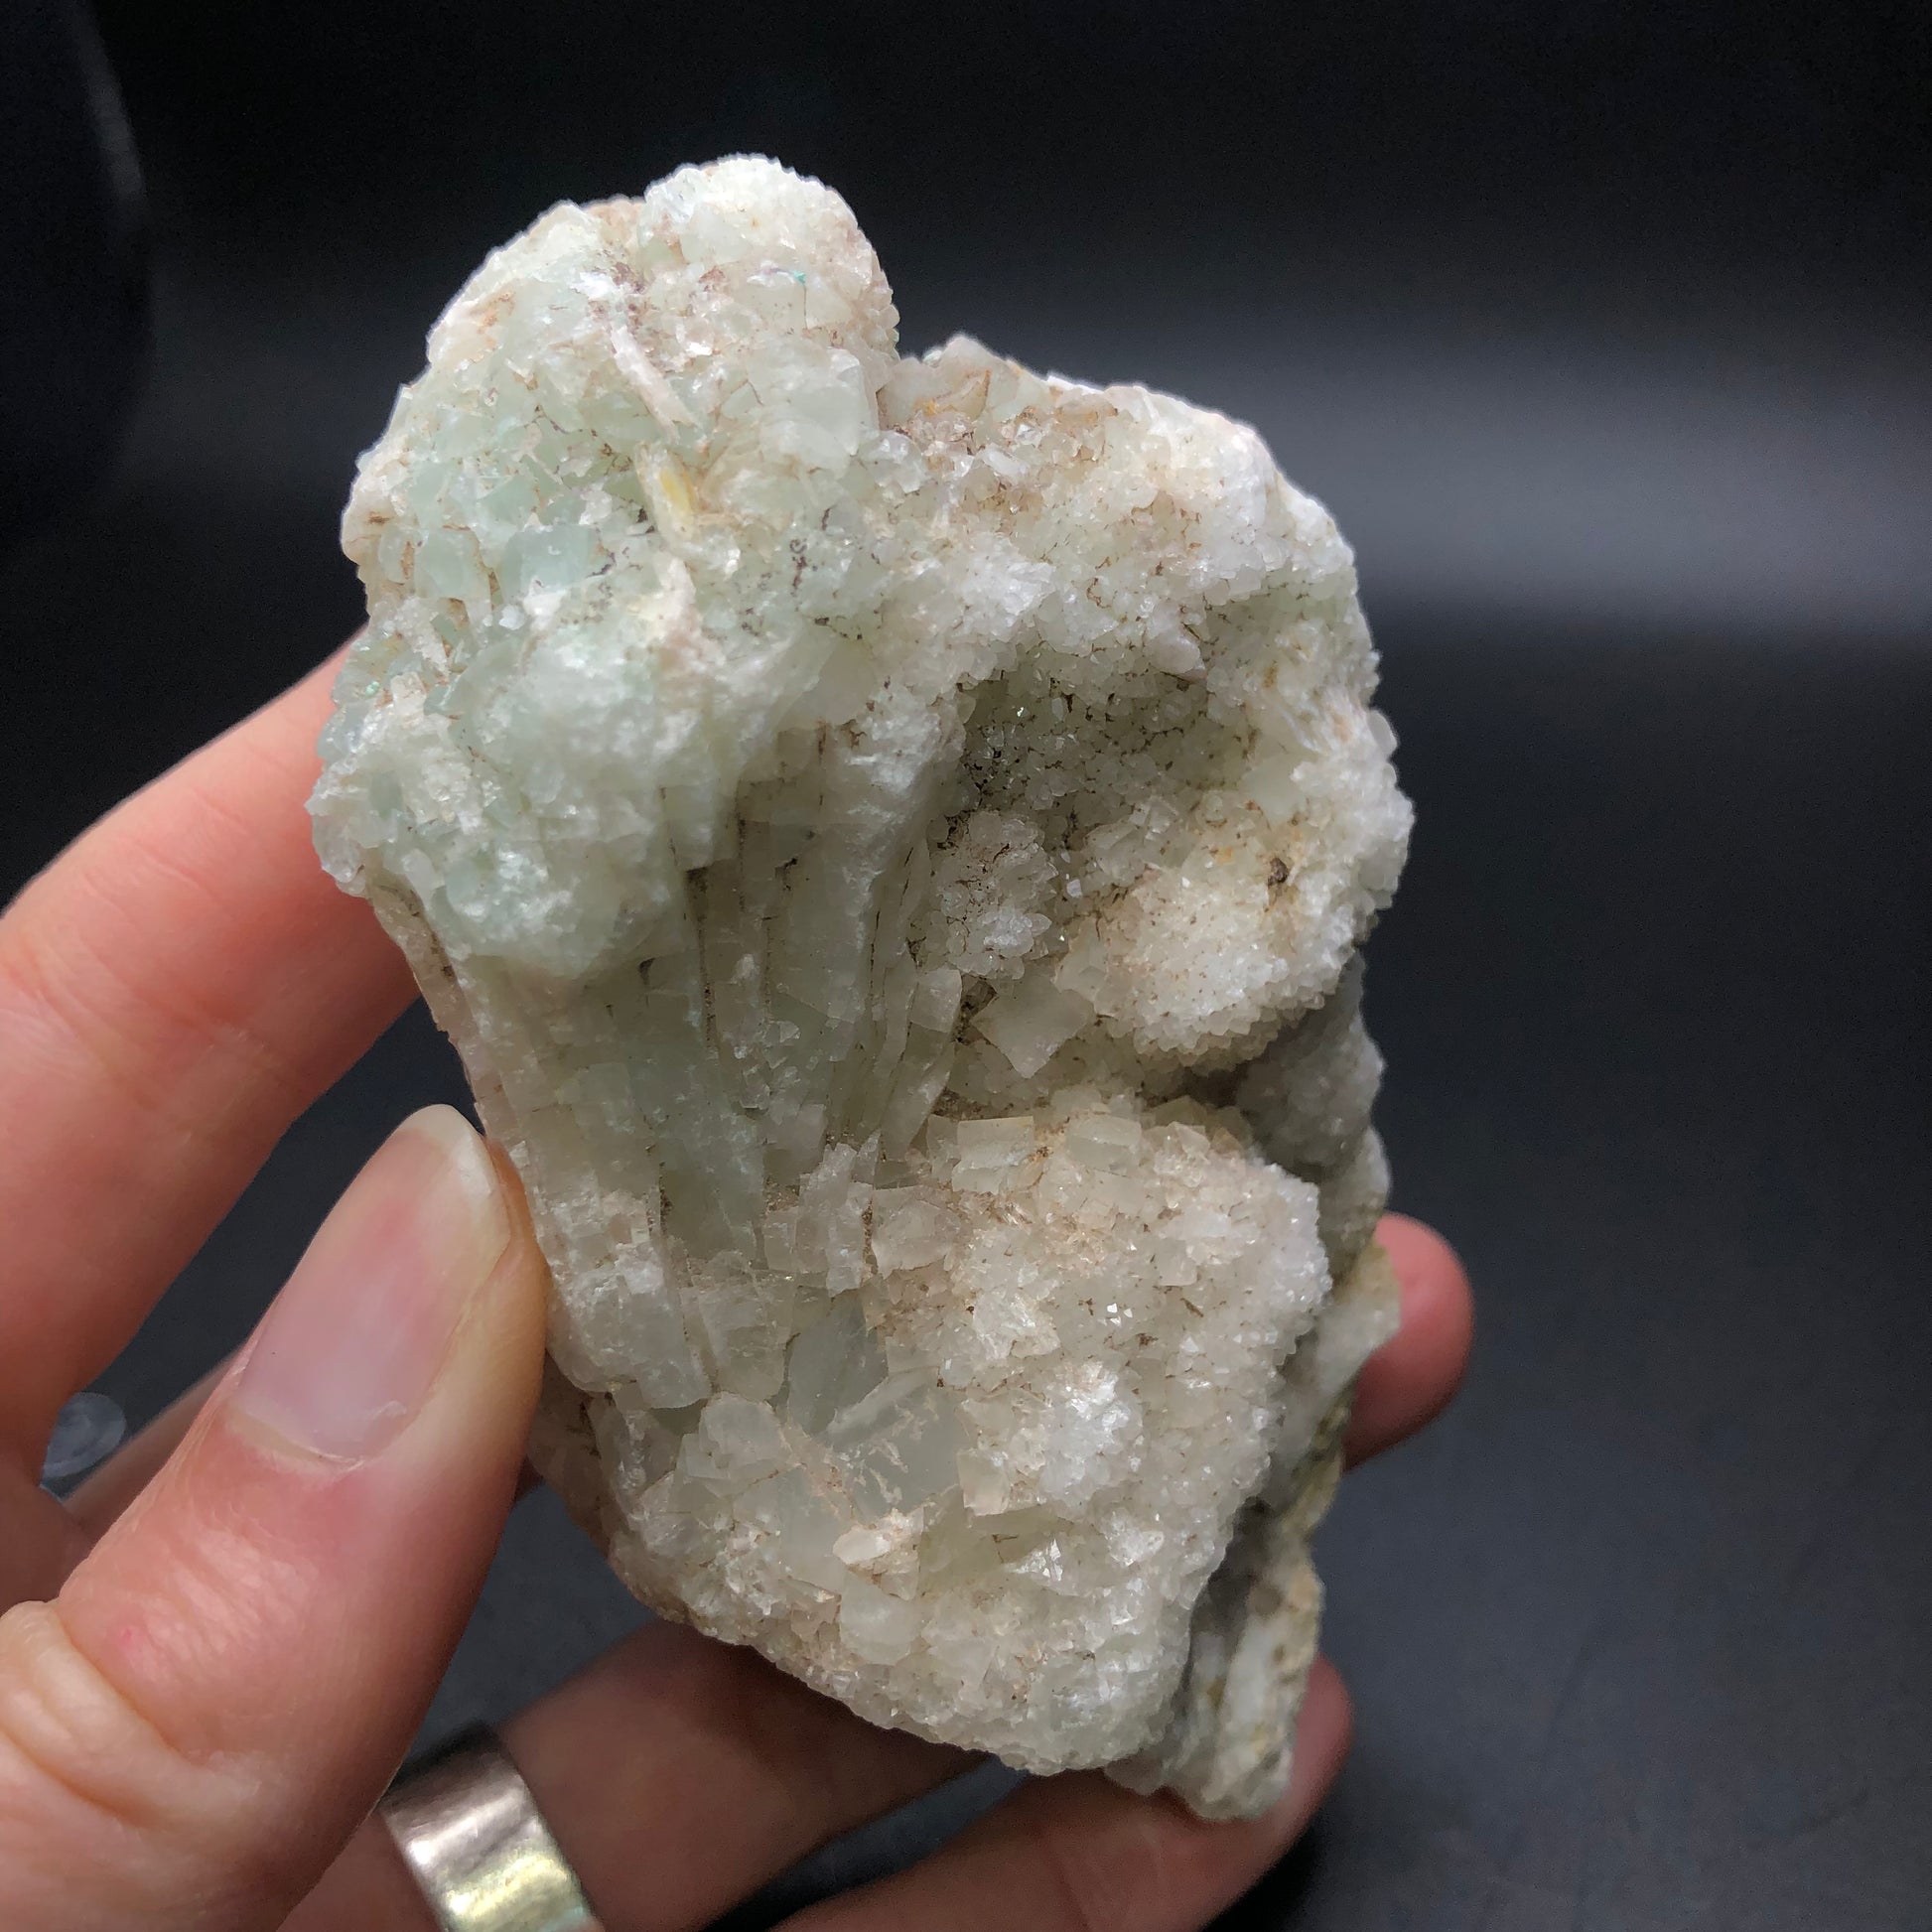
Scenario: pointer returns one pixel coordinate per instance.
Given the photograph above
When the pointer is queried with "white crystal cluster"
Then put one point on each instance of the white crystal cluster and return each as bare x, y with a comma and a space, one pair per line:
890, 838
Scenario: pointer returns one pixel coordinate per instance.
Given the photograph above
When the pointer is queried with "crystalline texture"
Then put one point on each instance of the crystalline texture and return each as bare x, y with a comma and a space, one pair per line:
857, 816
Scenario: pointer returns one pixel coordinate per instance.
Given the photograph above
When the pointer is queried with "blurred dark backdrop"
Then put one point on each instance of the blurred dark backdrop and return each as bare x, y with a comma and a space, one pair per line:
1603, 328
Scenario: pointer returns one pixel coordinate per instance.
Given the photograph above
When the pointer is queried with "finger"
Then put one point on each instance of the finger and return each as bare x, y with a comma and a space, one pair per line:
678, 1775
104, 1494
45, 1538
1073, 1854
193, 1729
174, 989
99, 1500
708, 1722
1412, 1376
39, 1541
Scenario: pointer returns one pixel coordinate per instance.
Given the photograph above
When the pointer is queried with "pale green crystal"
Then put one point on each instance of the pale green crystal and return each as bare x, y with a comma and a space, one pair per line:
855, 814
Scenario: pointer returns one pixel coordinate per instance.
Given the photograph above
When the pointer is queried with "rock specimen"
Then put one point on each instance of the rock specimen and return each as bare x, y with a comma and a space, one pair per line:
890, 838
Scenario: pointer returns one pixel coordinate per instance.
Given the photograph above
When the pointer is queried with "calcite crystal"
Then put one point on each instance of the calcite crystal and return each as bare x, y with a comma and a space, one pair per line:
890, 838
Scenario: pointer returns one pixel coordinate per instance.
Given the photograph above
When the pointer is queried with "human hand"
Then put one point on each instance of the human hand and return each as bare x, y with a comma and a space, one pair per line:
216, 1653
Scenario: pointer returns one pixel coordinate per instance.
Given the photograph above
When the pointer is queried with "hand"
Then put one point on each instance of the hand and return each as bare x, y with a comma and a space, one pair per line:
216, 1654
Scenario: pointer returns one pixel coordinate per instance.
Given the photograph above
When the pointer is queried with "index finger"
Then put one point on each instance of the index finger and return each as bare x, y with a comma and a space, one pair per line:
1412, 1376
174, 989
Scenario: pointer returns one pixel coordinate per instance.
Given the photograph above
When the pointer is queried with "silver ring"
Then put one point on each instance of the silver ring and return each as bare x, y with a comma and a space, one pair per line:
471, 1833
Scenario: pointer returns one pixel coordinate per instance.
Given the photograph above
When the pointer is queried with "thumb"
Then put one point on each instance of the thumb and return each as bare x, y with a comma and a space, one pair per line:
193, 1729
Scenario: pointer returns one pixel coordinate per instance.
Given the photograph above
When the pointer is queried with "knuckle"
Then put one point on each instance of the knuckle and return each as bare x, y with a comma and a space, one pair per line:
81, 1766
66, 1723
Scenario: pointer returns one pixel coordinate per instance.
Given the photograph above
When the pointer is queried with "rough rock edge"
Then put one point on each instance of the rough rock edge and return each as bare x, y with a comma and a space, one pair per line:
1226, 1747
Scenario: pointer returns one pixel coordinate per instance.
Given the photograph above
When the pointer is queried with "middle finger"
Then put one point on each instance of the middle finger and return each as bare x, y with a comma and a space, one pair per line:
678, 1777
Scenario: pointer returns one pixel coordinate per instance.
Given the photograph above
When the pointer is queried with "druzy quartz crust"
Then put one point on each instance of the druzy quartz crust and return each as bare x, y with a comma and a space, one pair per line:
890, 838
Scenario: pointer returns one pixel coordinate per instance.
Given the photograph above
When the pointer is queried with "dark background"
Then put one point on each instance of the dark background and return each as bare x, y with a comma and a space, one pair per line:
1602, 328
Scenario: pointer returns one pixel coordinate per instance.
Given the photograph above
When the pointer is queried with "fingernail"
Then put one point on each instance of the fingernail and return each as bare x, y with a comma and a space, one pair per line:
353, 1345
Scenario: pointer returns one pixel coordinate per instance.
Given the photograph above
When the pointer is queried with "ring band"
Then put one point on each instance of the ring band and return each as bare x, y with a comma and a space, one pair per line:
471, 1835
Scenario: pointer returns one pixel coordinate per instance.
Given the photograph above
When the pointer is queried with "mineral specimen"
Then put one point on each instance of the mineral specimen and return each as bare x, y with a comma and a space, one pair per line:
889, 839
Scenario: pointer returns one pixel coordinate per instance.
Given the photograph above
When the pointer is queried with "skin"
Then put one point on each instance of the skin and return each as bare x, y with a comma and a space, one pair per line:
213, 1658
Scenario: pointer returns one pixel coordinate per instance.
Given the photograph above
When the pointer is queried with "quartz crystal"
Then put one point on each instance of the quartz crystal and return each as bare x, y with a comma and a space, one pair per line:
890, 838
